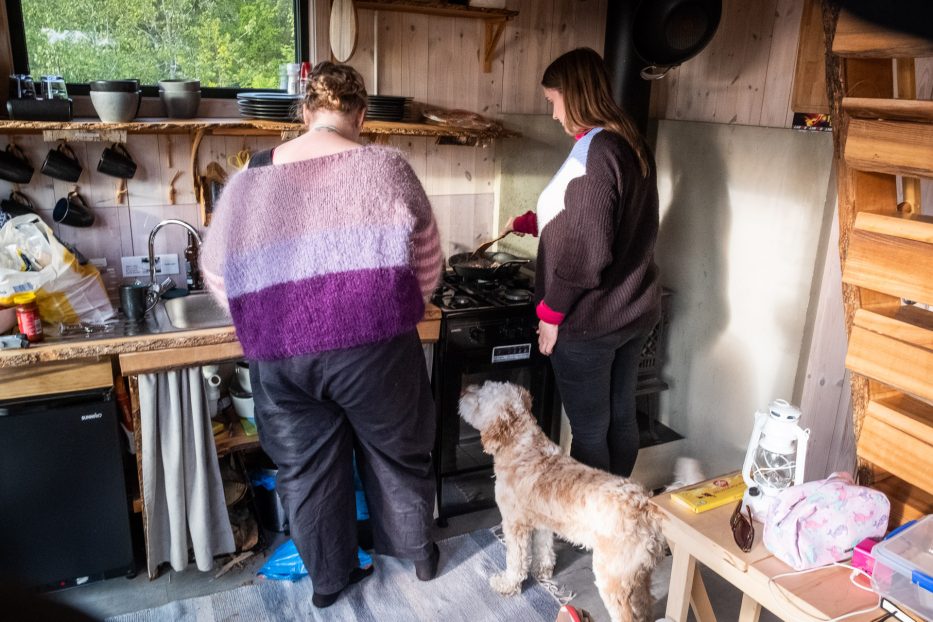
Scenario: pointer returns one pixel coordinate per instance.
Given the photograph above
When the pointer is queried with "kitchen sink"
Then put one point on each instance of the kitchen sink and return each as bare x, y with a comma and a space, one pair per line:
195, 311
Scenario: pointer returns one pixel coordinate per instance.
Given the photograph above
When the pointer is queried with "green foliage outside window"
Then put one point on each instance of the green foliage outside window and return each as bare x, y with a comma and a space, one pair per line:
223, 43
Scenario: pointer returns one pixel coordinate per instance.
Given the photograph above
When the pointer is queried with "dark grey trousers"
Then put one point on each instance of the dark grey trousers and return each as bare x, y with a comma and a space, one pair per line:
312, 412
597, 380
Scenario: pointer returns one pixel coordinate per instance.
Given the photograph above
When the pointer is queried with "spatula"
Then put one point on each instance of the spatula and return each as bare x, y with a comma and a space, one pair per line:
482, 247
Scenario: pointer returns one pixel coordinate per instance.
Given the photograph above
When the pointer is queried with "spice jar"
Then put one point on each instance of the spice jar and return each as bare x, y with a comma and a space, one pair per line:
27, 316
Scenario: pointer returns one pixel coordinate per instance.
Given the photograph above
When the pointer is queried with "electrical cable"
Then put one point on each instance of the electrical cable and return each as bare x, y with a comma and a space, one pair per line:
772, 583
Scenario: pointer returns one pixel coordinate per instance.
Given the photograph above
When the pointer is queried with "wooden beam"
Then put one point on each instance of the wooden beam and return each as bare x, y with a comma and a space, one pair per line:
906, 414
908, 502
894, 147
905, 323
889, 109
859, 38
134, 363
908, 226
901, 365
55, 378
891, 265
903, 455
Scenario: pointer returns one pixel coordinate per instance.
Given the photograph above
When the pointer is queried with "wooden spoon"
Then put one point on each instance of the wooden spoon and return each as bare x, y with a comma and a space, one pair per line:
343, 27
482, 247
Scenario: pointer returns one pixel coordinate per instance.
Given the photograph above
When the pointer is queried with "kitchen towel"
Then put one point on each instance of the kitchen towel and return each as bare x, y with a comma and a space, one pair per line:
182, 489
459, 593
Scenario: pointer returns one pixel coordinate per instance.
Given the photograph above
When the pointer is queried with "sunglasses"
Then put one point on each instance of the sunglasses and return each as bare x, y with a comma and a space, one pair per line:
743, 529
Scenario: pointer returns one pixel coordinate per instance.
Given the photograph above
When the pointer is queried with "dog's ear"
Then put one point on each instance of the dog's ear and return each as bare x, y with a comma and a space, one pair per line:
526, 398
501, 430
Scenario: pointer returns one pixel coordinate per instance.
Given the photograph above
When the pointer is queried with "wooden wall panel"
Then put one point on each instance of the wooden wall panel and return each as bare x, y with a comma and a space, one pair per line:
432, 59
744, 76
809, 92
526, 54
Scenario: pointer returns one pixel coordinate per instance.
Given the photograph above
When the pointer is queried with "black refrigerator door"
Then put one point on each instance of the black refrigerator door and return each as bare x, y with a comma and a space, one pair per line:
64, 511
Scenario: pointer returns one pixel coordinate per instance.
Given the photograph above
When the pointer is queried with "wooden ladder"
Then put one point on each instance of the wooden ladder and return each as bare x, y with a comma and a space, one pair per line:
882, 133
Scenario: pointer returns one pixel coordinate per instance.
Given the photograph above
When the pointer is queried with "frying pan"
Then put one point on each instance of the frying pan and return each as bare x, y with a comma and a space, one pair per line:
487, 266
668, 32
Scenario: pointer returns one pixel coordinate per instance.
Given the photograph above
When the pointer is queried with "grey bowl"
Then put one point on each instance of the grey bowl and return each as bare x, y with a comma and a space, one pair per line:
115, 106
124, 86
174, 86
180, 104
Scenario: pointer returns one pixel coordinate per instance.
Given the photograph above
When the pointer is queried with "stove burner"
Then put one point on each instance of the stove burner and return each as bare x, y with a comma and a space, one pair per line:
484, 285
460, 302
517, 295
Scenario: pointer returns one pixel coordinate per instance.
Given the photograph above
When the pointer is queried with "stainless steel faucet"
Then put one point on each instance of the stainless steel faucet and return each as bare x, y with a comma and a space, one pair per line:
157, 289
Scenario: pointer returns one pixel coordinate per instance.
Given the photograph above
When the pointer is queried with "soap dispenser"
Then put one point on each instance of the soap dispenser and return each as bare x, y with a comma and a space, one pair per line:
192, 271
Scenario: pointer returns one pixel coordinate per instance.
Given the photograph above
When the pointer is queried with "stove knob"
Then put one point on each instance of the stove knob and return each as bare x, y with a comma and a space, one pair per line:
476, 334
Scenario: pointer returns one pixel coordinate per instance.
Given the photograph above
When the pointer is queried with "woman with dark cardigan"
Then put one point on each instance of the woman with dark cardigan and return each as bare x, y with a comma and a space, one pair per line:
597, 289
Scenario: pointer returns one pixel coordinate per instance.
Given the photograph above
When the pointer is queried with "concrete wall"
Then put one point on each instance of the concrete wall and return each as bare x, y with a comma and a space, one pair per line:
743, 213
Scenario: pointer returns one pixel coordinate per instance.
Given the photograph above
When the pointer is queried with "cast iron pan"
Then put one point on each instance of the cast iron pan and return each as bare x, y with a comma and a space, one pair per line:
487, 266
668, 32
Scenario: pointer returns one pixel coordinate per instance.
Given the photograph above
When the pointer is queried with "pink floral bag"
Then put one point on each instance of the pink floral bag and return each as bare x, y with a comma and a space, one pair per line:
820, 522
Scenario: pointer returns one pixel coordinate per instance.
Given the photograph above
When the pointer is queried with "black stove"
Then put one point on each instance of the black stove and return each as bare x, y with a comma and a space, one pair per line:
488, 332
456, 294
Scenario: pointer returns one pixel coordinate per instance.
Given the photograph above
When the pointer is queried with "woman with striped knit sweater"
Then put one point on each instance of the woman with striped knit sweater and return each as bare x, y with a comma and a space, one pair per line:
597, 289
325, 251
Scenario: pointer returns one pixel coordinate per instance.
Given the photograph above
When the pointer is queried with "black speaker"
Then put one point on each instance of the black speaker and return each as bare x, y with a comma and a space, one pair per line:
665, 33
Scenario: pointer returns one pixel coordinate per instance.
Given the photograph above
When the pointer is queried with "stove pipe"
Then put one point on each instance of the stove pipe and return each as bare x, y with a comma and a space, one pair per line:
630, 90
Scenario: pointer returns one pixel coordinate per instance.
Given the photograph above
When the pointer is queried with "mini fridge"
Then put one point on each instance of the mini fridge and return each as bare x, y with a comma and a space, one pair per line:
64, 509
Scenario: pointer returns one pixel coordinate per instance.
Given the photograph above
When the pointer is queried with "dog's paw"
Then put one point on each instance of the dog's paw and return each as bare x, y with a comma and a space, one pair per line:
504, 584
542, 571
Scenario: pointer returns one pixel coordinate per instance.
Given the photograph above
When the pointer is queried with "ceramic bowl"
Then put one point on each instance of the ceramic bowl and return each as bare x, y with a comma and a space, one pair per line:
184, 86
110, 86
242, 404
115, 106
180, 104
242, 376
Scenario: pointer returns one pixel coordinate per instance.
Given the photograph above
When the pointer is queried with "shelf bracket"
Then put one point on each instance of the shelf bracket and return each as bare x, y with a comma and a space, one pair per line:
494, 30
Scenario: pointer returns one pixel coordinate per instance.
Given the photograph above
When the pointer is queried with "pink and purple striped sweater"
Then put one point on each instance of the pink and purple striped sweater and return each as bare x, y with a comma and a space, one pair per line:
323, 254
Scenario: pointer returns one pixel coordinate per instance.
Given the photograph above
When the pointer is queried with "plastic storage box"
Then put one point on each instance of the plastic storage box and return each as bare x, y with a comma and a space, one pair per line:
904, 566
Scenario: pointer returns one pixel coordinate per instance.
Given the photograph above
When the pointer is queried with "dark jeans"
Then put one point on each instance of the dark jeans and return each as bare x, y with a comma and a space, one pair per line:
596, 379
312, 412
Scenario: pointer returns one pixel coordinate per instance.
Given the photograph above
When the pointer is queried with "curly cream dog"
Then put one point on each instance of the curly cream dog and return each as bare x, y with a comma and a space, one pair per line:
539, 490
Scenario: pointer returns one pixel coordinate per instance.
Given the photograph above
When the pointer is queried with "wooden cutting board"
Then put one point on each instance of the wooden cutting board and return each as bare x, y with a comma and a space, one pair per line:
343, 28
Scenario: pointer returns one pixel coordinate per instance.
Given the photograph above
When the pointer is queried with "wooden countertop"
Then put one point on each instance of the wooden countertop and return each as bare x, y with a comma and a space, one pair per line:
72, 349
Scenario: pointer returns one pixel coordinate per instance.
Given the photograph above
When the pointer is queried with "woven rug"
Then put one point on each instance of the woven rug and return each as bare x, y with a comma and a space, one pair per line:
460, 592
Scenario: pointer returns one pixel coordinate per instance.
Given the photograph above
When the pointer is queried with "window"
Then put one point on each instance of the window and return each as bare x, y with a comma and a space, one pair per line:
226, 44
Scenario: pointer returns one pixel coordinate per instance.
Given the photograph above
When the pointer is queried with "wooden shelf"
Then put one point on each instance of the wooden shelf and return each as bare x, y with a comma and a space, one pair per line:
96, 130
494, 19
892, 147
234, 439
889, 109
859, 38
442, 9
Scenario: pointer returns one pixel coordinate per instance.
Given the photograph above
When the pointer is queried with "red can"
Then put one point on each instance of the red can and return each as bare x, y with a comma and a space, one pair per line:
27, 316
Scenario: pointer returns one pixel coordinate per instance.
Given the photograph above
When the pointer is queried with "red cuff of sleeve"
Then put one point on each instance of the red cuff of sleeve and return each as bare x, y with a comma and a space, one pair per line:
526, 223
549, 315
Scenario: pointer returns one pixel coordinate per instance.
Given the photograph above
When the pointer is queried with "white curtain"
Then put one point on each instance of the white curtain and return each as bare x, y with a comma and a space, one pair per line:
182, 489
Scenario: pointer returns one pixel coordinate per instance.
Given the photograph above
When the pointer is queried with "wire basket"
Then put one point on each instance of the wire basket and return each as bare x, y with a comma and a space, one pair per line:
652, 353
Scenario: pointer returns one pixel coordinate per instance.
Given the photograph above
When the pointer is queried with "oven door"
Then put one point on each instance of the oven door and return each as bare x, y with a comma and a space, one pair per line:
509, 355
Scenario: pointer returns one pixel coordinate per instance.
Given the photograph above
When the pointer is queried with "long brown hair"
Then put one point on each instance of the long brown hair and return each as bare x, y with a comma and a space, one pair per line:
583, 80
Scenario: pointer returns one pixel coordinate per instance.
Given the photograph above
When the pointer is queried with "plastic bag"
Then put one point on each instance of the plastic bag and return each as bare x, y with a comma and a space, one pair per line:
286, 565
33, 259
820, 522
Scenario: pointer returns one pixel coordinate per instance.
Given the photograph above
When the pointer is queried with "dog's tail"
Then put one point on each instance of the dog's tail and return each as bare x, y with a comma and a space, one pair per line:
640, 521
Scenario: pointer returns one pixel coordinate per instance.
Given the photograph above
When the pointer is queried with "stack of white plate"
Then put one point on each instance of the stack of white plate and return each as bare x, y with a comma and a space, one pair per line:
270, 106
